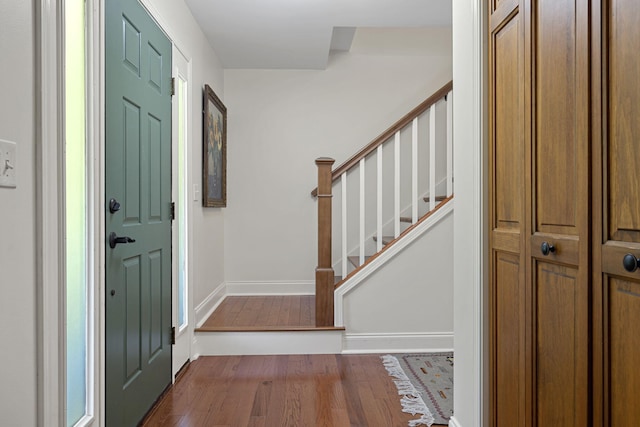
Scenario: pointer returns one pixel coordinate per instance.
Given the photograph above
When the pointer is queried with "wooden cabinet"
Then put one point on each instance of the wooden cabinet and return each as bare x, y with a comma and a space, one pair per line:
564, 201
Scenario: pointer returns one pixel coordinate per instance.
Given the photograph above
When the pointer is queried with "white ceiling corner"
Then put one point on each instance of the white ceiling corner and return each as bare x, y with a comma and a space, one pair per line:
298, 34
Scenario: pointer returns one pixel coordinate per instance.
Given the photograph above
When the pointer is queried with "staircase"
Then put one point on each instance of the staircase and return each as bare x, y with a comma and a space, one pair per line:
390, 204
388, 194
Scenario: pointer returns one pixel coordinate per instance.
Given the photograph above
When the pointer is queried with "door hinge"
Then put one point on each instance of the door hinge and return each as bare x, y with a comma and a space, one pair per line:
173, 211
173, 335
173, 86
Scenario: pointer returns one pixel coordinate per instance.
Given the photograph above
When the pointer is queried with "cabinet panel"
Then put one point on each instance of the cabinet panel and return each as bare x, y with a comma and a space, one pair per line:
623, 345
508, 315
560, 352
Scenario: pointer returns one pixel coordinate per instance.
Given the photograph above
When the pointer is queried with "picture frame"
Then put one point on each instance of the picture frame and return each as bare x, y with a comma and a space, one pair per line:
214, 153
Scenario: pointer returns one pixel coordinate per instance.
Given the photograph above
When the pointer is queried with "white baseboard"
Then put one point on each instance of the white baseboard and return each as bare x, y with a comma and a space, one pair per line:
430, 342
263, 343
272, 287
453, 422
210, 303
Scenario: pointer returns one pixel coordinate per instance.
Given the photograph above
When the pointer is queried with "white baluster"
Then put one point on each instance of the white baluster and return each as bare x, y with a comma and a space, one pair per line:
396, 180
345, 261
432, 157
379, 201
414, 171
362, 213
449, 143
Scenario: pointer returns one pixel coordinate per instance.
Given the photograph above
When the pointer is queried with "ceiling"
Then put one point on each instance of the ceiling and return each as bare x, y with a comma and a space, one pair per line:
298, 34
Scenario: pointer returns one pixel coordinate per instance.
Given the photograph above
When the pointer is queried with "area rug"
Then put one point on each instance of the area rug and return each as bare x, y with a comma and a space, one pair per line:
425, 382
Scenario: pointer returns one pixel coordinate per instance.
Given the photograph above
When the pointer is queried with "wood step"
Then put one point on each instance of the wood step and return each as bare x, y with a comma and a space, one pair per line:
438, 198
385, 239
355, 260
264, 313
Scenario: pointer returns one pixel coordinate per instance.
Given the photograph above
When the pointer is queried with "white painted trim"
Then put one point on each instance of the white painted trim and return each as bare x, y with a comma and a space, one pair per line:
413, 342
469, 251
378, 199
255, 343
367, 270
275, 287
450, 143
343, 238
50, 273
396, 185
210, 303
362, 211
414, 171
453, 422
432, 158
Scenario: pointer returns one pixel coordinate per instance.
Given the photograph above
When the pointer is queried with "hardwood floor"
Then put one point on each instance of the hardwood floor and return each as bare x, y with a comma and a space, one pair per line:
279, 391
264, 313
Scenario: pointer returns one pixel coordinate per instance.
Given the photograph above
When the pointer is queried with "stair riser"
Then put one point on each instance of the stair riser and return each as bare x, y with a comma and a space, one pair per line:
263, 343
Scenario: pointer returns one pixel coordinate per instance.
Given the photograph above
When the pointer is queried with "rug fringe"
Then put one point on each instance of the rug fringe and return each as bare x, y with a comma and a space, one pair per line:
411, 400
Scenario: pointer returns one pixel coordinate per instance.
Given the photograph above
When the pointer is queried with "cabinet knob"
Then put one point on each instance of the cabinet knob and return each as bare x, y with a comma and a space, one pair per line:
547, 248
630, 263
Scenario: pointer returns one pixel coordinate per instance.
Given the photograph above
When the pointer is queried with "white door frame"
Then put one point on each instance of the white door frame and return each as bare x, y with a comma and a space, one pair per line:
182, 350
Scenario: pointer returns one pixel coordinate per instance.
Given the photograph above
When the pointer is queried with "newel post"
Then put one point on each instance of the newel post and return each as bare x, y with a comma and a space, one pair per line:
324, 272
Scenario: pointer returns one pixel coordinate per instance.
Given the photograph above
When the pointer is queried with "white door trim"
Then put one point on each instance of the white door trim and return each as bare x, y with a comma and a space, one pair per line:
470, 244
50, 292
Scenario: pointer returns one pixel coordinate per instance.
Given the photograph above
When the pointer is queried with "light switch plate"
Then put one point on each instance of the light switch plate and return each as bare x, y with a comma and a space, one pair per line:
7, 164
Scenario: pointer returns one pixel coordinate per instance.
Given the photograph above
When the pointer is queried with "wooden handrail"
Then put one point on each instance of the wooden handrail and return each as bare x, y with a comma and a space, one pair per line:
373, 145
324, 271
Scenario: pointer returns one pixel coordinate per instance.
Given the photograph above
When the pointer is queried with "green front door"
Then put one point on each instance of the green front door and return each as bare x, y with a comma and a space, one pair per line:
137, 211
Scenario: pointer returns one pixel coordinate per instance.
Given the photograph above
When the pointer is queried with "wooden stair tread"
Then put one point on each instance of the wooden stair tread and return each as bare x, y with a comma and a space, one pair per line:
264, 313
355, 260
438, 198
385, 239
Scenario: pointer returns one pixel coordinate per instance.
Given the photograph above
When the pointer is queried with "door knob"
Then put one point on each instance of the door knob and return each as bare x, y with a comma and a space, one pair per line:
630, 263
547, 248
114, 206
114, 240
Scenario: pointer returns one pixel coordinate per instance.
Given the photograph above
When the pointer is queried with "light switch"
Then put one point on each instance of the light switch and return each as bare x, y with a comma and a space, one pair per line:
7, 164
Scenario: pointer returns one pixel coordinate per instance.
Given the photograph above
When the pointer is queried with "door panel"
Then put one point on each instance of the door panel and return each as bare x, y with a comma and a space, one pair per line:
616, 290
507, 213
138, 176
559, 189
558, 345
622, 350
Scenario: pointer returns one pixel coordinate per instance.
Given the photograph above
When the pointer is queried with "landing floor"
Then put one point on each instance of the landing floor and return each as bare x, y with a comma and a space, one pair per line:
263, 313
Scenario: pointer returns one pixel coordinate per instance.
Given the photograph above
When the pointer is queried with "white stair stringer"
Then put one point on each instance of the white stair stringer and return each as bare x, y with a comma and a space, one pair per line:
383, 258
268, 342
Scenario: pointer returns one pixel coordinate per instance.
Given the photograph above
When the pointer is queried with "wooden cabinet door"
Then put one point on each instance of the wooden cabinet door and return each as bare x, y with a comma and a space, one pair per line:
617, 219
558, 193
507, 213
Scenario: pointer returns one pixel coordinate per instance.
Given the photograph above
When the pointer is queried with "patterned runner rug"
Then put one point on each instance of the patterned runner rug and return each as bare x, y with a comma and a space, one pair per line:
425, 382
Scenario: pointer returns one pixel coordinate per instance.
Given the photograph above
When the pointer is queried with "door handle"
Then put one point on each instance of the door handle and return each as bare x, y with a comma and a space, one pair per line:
630, 263
114, 240
547, 248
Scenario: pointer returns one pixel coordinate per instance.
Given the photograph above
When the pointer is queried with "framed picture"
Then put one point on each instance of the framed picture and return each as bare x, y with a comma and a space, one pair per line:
214, 156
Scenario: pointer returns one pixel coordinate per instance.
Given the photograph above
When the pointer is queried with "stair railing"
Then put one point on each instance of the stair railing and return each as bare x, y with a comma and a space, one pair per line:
325, 276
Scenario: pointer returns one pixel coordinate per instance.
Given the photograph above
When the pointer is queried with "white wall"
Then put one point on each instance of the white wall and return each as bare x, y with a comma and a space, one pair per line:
469, 244
207, 224
413, 294
17, 218
280, 121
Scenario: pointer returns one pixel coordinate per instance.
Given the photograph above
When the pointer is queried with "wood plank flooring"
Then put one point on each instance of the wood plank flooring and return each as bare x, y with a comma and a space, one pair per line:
282, 391
264, 313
